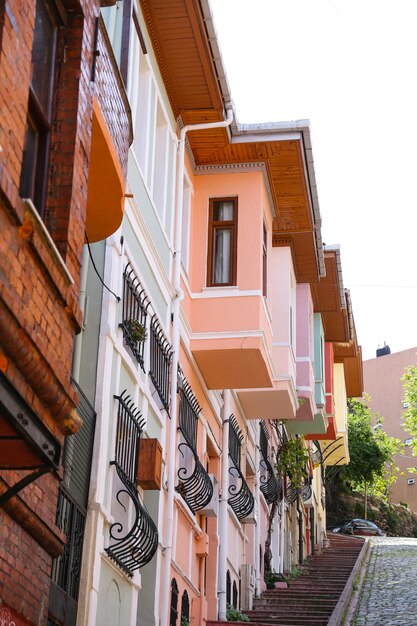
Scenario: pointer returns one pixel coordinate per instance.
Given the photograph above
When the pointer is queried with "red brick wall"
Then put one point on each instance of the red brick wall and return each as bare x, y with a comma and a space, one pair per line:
25, 569
39, 315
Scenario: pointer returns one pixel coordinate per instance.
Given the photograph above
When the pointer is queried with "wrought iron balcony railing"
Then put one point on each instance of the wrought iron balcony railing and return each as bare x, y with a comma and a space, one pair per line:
134, 546
134, 315
269, 485
194, 483
160, 361
240, 497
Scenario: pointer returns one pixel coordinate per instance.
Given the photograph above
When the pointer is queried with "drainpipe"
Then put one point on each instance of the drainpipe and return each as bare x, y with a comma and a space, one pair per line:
223, 508
300, 529
76, 357
179, 296
257, 537
282, 546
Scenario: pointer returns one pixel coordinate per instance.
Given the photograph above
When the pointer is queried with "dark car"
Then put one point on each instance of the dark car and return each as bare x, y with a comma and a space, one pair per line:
357, 527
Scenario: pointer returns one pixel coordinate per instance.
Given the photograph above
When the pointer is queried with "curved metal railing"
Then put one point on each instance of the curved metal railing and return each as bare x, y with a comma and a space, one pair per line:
194, 484
240, 497
135, 547
269, 484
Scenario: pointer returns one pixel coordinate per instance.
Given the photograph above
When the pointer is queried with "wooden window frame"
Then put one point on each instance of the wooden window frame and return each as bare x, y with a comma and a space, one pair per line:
34, 173
213, 226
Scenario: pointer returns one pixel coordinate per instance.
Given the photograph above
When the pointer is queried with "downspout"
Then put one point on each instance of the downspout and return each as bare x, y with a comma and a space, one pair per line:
257, 537
179, 296
300, 529
76, 357
223, 508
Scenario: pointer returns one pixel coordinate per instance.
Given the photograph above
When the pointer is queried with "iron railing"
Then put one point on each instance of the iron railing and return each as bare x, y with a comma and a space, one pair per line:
269, 485
134, 315
73, 497
194, 483
240, 497
160, 361
132, 548
70, 519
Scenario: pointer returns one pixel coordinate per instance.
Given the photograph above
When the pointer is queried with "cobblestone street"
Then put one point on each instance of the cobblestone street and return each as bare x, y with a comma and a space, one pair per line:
388, 596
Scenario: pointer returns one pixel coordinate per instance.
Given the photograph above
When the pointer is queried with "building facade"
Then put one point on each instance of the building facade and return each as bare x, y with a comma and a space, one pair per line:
383, 384
216, 337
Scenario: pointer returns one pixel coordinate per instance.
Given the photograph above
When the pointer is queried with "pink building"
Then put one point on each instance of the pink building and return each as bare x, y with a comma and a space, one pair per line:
382, 381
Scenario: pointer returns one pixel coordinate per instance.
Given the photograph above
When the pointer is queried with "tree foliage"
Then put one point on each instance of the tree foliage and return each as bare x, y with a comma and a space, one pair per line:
371, 450
410, 399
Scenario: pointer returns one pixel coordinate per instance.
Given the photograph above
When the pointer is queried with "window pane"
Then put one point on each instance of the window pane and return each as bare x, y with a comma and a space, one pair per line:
223, 211
27, 183
222, 240
43, 54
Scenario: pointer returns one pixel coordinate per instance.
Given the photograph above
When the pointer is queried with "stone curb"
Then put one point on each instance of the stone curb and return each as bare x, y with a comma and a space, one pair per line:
338, 615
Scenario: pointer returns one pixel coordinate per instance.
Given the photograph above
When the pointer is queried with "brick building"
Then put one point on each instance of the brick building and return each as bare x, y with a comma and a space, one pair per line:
65, 129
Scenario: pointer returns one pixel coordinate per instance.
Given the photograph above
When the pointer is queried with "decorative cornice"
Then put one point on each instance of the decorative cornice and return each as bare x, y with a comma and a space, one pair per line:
238, 168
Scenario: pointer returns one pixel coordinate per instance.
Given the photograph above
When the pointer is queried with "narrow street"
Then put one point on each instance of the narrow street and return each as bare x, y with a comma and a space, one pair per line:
388, 591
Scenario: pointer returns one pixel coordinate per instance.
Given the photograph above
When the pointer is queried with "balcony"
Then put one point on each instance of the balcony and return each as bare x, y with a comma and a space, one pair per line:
133, 535
269, 485
280, 400
231, 339
194, 483
240, 497
110, 140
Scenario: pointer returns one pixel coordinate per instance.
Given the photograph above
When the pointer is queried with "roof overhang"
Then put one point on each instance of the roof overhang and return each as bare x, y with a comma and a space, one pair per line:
185, 43
329, 298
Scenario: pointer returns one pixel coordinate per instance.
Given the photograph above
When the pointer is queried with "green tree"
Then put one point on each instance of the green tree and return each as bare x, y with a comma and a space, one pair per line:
372, 465
410, 399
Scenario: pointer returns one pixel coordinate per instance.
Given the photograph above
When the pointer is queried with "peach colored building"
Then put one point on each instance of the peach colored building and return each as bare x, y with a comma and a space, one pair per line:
382, 381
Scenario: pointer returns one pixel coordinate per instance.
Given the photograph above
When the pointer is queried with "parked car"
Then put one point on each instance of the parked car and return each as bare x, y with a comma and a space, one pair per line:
357, 527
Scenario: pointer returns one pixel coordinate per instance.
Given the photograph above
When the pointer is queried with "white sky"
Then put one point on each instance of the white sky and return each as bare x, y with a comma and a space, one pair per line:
350, 67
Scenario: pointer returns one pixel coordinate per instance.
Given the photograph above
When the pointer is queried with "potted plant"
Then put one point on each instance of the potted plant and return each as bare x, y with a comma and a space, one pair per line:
136, 331
234, 615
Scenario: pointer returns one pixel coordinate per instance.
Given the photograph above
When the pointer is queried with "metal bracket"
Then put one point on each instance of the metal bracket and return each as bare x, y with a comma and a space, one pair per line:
21, 484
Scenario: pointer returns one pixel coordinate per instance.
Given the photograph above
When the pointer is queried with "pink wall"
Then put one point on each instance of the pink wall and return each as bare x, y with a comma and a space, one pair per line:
248, 188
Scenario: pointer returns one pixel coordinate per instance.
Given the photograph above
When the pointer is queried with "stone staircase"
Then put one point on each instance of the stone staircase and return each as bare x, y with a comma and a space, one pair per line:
311, 598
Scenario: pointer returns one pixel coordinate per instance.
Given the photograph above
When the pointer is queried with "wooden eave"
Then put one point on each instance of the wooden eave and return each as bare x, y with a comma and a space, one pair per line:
327, 301
350, 354
179, 39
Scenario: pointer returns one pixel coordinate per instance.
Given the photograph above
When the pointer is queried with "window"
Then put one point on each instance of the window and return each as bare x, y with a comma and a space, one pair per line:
174, 603
222, 242
185, 607
228, 588
265, 263
34, 175
235, 595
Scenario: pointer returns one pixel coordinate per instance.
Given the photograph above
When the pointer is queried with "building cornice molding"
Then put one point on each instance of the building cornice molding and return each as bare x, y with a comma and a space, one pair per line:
239, 168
